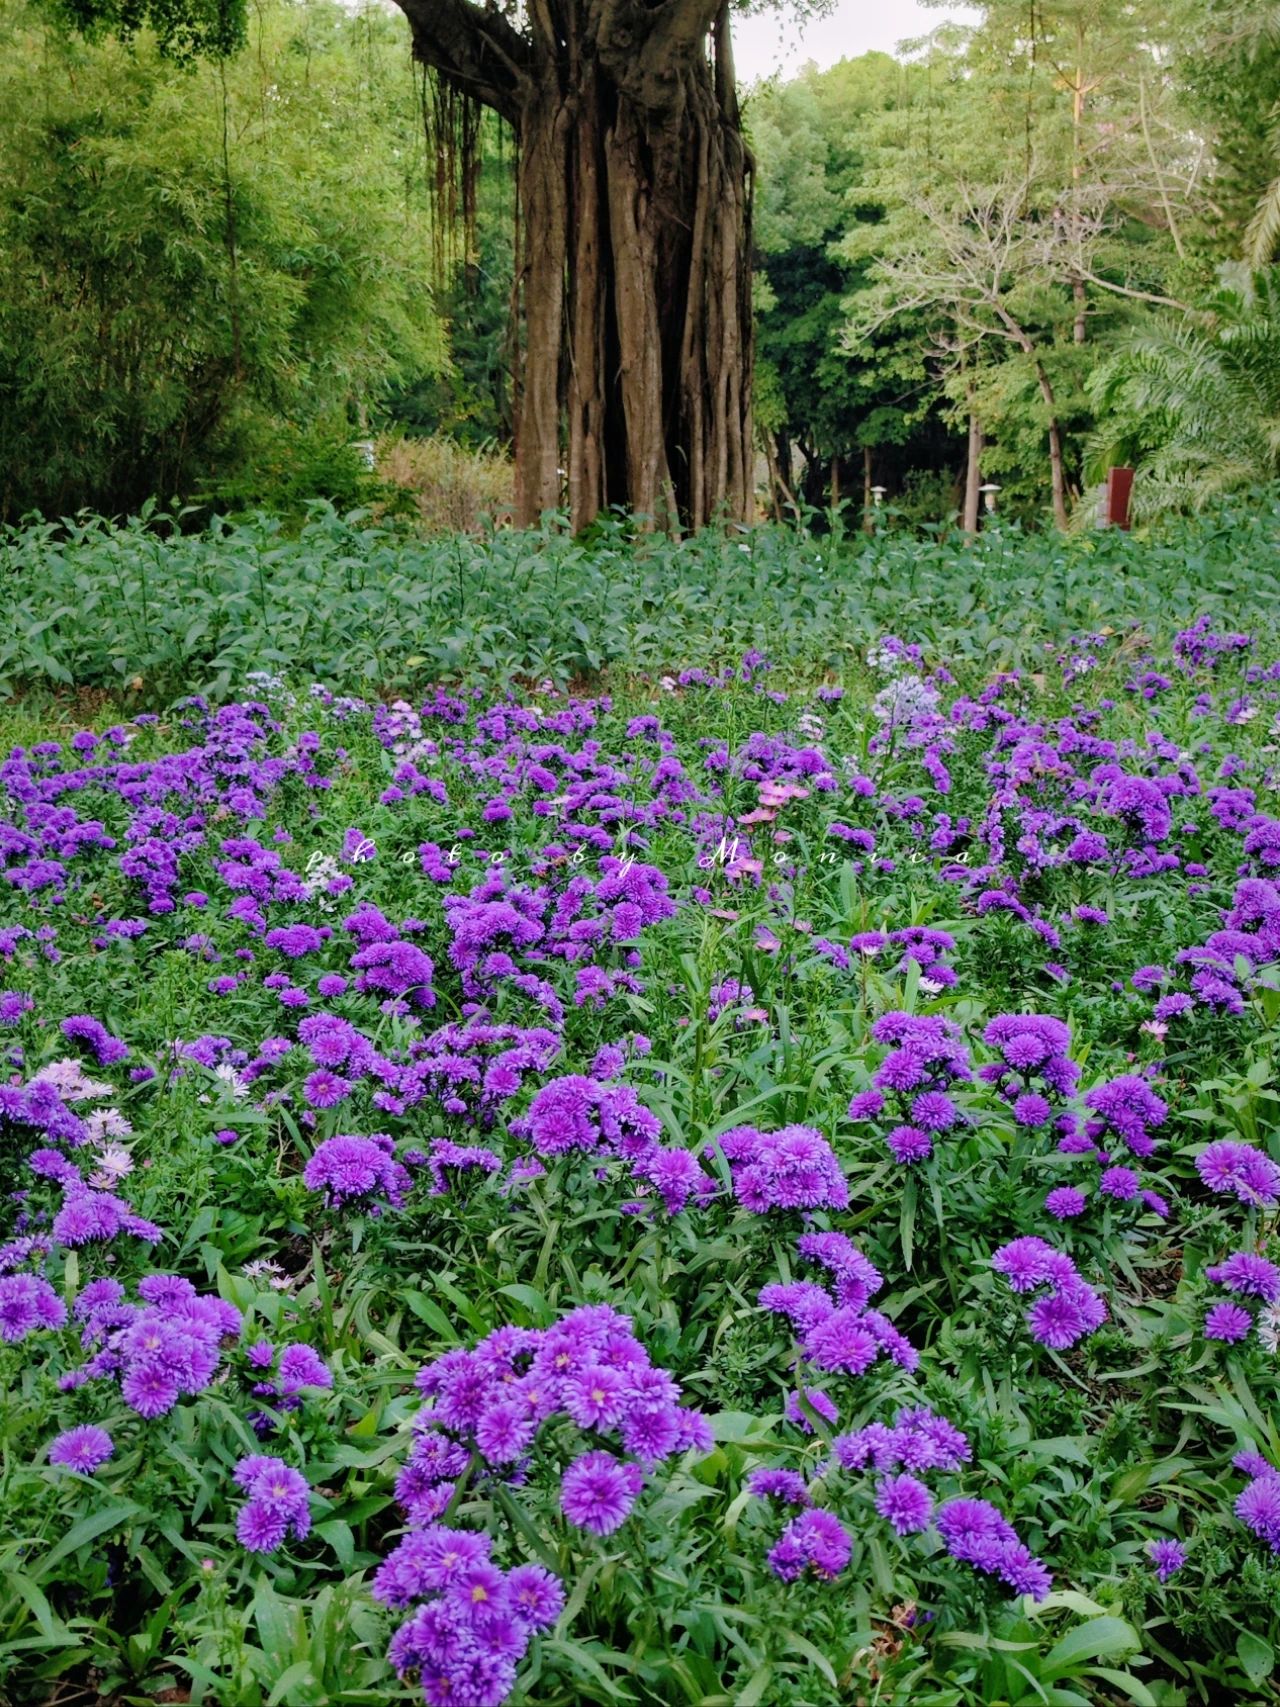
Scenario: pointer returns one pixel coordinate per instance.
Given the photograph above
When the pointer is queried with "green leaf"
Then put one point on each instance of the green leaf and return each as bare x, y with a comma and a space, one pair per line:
1097, 1639
88, 1529
1256, 1656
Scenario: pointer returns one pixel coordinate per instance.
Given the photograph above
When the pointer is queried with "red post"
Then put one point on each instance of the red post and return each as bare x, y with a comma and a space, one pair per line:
1119, 490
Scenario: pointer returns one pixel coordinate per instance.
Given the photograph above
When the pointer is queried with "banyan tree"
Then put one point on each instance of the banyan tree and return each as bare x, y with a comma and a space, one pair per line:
634, 227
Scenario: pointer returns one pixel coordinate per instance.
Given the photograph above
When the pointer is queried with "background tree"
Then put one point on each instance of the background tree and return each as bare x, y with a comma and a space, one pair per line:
1195, 401
199, 264
850, 413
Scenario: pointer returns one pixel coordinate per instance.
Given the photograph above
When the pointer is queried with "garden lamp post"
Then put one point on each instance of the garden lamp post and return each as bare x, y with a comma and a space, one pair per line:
989, 496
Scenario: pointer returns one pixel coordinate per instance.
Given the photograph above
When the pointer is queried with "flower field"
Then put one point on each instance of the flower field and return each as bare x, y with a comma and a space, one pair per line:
742, 1190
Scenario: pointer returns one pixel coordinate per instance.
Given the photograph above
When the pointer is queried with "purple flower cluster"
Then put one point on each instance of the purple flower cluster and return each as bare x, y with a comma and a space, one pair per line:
485, 1408
1258, 1505
1069, 1308
167, 1346
919, 1443
107, 1050
576, 1114
1237, 1169
792, 1168
28, 1304
278, 1504
1248, 1275
467, 1638
976, 1533
282, 1379
357, 1172
913, 1082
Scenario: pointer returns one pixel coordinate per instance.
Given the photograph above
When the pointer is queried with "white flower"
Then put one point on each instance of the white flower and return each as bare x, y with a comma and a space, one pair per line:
262, 1268
106, 1123
1269, 1328
114, 1164
68, 1078
908, 700
231, 1081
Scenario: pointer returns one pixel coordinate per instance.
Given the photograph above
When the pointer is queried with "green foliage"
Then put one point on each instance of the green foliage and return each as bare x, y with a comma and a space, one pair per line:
1196, 402
814, 393
361, 605
199, 260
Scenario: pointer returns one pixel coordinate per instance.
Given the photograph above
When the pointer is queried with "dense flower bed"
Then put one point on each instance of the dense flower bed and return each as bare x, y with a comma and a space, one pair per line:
720, 1194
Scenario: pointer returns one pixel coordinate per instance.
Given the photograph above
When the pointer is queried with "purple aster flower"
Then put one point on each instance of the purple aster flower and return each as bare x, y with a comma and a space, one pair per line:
82, 1449
324, 1089
1227, 1322
1253, 1463
866, 1105
909, 1144
1032, 1110
598, 1491
1065, 1201
1168, 1557
818, 1401
1258, 1507
27, 1304
786, 1485
1248, 1274
535, 1596
1230, 1166
301, 1366
259, 1529
817, 1540
905, 1503
1120, 1183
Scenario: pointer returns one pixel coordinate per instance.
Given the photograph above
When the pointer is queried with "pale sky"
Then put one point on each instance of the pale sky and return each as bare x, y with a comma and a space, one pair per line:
773, 41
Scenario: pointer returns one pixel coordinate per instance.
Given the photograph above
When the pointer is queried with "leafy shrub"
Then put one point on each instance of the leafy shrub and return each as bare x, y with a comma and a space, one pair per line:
453, 490
353, 602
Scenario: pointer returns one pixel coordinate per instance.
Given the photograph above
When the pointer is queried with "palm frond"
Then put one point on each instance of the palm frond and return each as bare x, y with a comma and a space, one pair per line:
1262, 233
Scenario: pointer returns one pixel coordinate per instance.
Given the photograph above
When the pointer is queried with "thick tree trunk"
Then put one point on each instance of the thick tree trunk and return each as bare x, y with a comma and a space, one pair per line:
634, 264
1057, 468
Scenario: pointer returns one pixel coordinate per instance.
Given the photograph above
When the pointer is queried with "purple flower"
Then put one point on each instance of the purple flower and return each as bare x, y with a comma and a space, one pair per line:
786, 1485
905, 1503
1168, 1557
536, 1596
598, 1491
1248, 1274
348, 1169
82, 1449
1259, 1508
278, 1504
1064, 1202
324, 1089
300, 1367
908, 1144
1063, 1317
1121, 1183
1230, 1166
866, 1105
814, 1540
27, 1304
1227, 1322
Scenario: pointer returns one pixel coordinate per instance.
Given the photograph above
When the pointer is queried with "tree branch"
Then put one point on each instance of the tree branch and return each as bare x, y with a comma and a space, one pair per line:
475, 48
